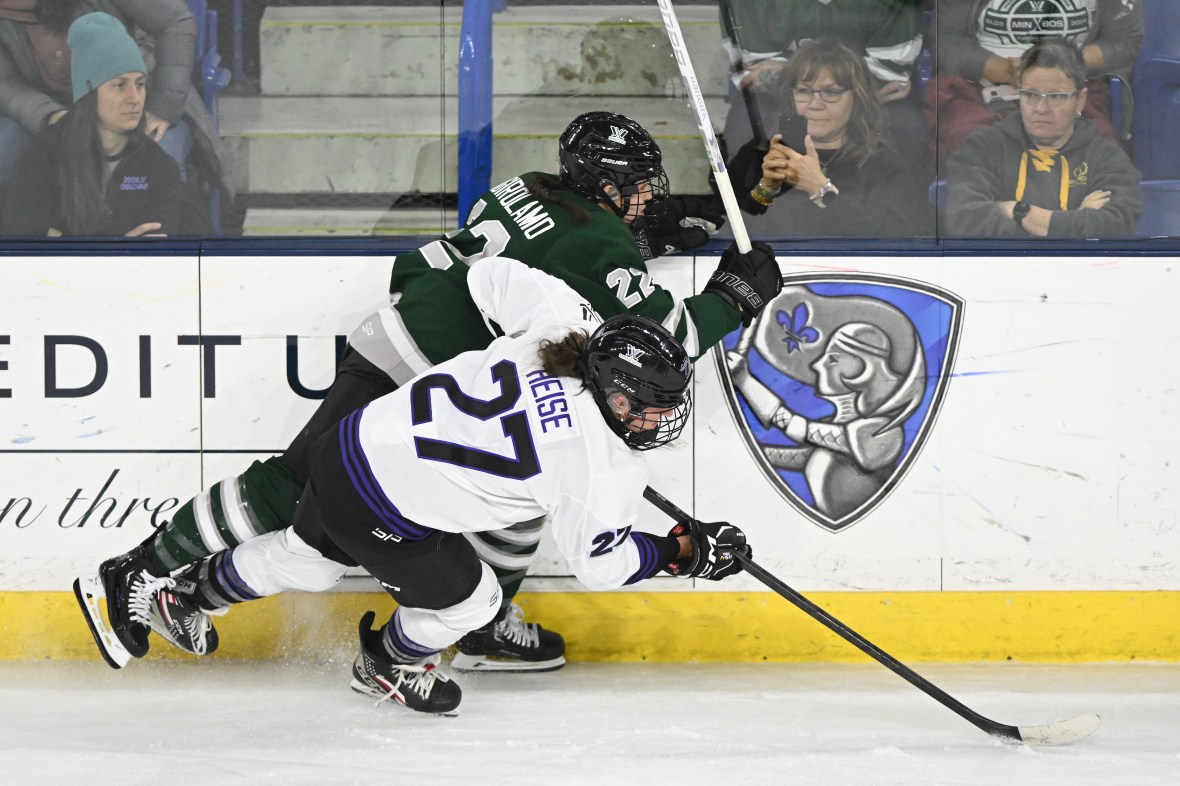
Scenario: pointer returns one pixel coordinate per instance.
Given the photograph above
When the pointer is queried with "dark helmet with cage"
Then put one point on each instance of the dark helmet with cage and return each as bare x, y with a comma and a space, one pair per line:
631, 363
608, 157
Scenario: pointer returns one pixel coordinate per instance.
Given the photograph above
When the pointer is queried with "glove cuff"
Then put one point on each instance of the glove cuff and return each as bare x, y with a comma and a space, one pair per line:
681, 568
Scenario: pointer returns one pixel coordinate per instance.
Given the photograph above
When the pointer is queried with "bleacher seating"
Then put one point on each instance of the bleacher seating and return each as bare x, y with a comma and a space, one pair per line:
348, 134
1161, 209
1155, 83
212, 78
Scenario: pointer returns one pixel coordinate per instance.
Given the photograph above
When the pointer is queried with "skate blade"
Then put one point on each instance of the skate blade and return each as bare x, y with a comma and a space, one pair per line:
475, 663
90, 592
364, 690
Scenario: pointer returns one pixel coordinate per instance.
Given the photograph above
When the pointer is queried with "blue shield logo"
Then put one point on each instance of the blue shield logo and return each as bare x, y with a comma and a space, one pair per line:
836, 386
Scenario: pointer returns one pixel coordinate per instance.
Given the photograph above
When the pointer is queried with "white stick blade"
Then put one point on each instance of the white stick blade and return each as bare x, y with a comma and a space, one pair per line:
1060, 733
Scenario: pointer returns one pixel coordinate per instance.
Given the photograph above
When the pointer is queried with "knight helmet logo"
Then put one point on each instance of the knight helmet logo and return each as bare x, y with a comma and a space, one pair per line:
836, 386
617, 135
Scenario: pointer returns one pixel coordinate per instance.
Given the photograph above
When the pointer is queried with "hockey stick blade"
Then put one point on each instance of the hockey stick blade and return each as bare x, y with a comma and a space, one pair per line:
1060, 733
90, 594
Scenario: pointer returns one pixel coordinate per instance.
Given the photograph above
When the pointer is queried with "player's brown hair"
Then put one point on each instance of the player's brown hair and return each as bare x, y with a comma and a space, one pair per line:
548, 189
561, 358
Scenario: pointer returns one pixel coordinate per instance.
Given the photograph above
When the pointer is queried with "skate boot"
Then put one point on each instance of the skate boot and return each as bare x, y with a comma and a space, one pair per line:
128, 585
420, 686
508, 643
177, 619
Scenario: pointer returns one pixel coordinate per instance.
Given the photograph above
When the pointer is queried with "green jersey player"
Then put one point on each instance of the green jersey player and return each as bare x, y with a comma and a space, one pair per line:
582, 227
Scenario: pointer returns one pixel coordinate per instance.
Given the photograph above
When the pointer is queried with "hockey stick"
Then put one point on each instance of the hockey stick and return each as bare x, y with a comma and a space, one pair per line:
753, 114
697, 101
1060, 733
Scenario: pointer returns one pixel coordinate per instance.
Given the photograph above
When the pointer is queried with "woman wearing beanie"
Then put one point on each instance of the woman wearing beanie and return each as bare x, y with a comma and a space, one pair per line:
95, 172
35, 88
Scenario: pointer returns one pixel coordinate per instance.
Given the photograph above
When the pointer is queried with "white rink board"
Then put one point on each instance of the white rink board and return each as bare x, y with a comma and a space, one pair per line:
1048, 466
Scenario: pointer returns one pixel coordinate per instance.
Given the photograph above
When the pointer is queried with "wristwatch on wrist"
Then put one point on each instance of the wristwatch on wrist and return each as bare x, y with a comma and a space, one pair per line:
1019, 211
818, 198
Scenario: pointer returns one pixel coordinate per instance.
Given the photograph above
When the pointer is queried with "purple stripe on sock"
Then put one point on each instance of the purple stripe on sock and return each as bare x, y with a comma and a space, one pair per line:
400, 644
224, 574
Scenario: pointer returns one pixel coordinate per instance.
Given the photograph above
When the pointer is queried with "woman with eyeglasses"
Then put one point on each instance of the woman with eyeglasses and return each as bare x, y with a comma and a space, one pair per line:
832, 170
1045, 171
979, 45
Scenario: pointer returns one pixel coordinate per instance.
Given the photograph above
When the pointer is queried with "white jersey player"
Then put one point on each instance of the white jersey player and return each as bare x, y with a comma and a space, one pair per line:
550, 419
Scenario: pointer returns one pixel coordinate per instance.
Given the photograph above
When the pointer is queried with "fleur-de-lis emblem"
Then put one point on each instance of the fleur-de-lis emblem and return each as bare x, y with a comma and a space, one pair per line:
795, 328
617, 135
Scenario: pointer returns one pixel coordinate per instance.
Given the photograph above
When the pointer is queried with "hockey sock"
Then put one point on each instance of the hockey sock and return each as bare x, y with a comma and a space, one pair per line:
398, 647
262, 499
214, 583
509, 552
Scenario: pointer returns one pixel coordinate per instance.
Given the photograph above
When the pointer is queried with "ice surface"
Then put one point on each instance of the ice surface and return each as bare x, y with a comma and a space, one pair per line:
218, 722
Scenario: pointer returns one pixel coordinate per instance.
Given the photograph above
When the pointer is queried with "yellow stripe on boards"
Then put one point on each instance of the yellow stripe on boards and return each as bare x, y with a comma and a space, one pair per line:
1058, 627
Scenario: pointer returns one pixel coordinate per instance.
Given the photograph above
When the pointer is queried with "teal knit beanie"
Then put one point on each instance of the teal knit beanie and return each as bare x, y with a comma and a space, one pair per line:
100, 50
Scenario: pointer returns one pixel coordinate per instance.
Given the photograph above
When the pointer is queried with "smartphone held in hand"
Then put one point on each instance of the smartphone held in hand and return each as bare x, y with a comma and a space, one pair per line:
793, 128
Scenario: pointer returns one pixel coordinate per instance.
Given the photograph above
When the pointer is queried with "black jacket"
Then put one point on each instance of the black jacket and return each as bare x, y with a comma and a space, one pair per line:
144, 186
886, 197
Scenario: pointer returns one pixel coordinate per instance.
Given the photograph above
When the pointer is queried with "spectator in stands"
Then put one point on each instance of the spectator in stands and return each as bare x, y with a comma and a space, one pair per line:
1044, 172
35, 79
760, 35
979, 47
95, 171
845, 177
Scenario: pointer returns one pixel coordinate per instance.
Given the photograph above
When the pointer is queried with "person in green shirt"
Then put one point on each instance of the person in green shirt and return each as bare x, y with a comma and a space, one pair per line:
584, 226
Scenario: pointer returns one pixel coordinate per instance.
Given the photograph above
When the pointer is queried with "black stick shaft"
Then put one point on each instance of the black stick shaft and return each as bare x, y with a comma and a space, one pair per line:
852, 637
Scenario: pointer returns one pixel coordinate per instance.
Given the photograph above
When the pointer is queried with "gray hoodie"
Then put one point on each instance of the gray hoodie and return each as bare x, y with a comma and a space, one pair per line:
988, 168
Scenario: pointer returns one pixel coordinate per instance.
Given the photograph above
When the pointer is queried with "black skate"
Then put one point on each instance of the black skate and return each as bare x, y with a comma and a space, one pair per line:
177, 619
508, 643
420, 686
129, 586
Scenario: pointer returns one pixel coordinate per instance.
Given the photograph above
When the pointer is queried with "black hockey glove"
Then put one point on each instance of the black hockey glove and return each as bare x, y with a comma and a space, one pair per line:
713, 546
676, 224
747, 281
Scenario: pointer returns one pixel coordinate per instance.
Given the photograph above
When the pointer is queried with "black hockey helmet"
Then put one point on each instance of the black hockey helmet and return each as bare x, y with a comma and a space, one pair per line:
632, 363
605, 155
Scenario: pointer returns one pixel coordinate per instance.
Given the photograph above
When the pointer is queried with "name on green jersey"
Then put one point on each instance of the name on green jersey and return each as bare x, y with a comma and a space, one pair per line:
530, 217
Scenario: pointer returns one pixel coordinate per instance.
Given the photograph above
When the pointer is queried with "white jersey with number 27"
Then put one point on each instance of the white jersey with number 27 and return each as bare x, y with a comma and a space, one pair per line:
488, 439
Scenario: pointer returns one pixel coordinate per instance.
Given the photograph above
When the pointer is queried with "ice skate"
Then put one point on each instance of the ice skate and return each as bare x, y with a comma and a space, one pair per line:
178, 620
508, 643
420, 686
128, 586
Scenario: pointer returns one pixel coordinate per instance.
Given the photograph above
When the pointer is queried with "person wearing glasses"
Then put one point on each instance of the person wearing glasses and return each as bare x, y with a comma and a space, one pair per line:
832, 169
979, 45
1045, 171
760, 35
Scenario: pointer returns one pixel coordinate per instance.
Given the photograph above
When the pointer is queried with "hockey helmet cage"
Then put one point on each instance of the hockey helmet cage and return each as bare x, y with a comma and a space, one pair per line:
606, 156
634, 357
